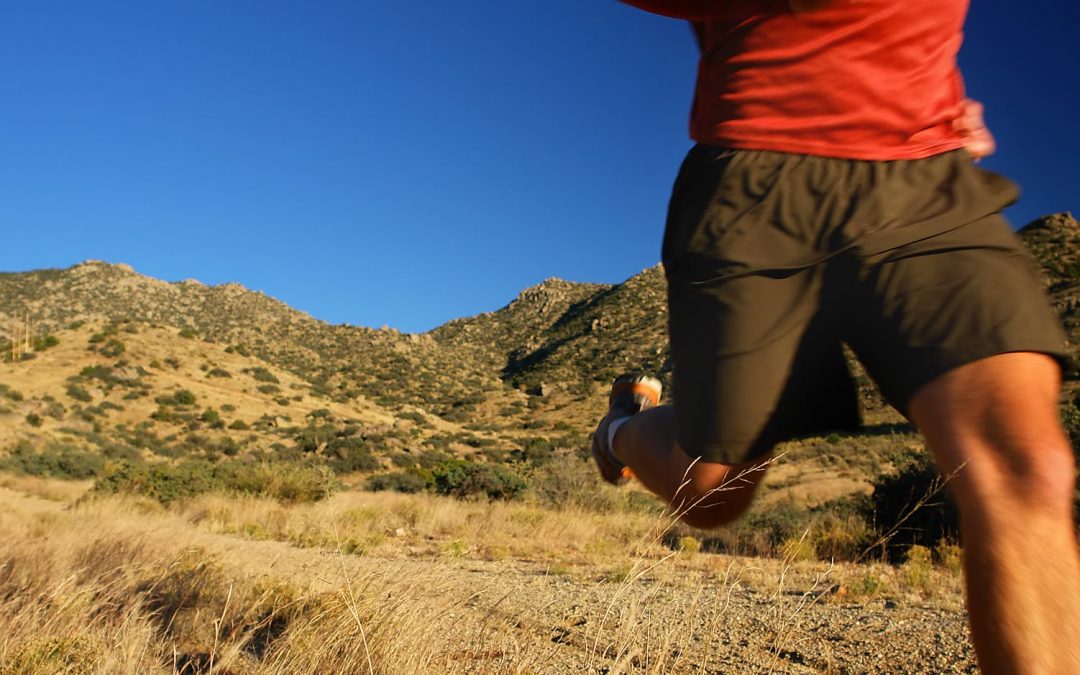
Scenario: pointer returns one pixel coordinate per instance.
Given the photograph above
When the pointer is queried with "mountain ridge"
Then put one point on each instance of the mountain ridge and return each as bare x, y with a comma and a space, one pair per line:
558, 333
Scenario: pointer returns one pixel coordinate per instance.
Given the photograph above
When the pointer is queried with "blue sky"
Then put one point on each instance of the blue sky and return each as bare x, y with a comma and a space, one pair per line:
375, 163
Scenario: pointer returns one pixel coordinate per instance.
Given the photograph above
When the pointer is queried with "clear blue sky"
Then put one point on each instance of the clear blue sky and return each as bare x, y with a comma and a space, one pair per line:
405, 163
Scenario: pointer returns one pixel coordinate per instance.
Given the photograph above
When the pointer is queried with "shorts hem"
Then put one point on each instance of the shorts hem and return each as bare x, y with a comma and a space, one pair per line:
901, 399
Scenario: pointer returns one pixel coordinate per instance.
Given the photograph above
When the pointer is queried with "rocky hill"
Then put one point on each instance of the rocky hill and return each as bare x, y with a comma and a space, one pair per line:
534, 370
1055, 242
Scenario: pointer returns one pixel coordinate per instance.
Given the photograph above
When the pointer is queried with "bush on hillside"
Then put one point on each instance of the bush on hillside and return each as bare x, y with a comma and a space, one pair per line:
167, 482
459, 478
43, 342
78, 393
346, 455
182, 397
912, 508
409, 481
536, 451
53, 462
262, 375
112, 348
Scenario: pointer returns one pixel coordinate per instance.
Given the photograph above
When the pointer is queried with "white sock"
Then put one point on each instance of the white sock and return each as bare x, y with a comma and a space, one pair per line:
613, 427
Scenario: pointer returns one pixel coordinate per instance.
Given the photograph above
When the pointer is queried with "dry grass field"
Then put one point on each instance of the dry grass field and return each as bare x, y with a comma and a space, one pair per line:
390, 583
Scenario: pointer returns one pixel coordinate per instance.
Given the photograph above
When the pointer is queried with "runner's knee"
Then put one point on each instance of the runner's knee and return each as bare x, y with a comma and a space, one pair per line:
715, 494
1032, 476
993, 425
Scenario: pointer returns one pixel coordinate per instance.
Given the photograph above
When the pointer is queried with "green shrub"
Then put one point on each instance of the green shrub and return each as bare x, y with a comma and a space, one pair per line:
429, 459
226, 445
112, 348
184, 397
53, 461
917, 566
34, 420
167, 483
688, 545
839, 535
781, 522
218, 372
55, 409
799, 549
120, 452
537, 451
78, 393
459, 478
262, 375
346, 455
43, 342
188, 333
162, 482
98, 372
912, 508
410, 481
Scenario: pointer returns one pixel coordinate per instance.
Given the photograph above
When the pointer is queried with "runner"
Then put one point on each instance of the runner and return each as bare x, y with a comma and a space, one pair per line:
832, 198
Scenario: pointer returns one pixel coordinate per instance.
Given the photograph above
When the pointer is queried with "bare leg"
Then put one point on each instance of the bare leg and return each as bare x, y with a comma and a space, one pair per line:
996, 421
718, 492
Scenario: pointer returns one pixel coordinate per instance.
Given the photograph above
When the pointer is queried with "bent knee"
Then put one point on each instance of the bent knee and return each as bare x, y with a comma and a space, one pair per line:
715, 495
714, 516
1047, 475
1037, 476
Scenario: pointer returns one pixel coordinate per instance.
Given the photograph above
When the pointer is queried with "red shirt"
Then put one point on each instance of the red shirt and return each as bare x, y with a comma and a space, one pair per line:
859, 79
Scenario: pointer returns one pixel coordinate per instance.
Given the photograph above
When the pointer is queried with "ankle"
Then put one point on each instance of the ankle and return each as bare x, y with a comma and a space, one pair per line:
612, 432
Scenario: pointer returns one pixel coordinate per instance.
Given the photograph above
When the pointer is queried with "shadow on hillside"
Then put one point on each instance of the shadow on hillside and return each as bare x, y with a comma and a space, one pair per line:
884, 429
521, 361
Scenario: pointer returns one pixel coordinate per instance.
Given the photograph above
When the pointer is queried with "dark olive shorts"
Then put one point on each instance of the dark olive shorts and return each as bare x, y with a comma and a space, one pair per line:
774, 260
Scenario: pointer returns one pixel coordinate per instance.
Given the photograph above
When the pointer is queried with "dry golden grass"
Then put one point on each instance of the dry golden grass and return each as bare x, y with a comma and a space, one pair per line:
64, 491
388, 524
392, 583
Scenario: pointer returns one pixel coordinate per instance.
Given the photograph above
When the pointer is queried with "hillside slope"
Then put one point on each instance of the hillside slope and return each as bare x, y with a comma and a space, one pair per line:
534, 369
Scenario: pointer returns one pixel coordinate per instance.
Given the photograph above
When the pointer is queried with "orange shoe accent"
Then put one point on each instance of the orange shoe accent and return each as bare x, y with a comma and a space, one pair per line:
635, 388
627, 473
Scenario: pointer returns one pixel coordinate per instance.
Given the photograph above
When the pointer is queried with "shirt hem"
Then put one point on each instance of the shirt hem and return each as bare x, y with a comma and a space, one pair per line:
882, 154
